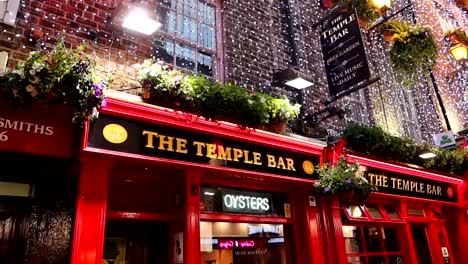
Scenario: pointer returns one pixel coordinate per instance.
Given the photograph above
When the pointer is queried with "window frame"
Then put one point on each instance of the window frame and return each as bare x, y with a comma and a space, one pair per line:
367, 217
176, 38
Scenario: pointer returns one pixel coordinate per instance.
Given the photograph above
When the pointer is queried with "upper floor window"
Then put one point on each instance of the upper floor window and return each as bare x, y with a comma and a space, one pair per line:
189, 34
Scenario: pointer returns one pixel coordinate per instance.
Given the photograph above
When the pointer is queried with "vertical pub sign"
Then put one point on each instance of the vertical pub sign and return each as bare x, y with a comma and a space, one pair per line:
343, 51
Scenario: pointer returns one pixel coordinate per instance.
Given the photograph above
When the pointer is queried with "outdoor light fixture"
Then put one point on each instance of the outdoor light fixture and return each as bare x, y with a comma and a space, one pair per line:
138, 18
292, 78
427, 154
382, 3
459, 51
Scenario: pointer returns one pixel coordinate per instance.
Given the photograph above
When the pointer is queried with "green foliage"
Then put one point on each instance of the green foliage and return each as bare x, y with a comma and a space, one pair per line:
343, 179
170, 88
64, 76
366, 11
413, 47
375, 142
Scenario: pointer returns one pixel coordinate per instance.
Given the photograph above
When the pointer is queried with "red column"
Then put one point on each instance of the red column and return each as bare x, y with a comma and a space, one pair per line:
333, 231
192, 254
90, 219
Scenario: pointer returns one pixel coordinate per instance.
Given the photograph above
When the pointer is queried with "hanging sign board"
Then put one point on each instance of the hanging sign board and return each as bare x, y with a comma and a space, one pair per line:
343, 51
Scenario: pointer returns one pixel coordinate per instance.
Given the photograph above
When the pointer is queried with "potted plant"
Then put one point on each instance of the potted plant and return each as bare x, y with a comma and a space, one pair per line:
413, 47
343, 180
214, 101
63, 76
366, 11
457, 36
280, 111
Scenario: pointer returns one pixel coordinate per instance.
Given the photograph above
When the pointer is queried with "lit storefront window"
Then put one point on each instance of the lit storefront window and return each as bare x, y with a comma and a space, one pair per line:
240, 243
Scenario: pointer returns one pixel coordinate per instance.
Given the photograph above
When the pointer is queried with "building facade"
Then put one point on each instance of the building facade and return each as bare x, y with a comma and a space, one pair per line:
157, 200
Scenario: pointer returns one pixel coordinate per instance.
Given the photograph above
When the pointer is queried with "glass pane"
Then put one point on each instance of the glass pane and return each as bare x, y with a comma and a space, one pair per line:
205, 64
355, 211
376, 260
391, 241
392, 213
374, 212
167, 18
164, 50
352, 239
356, 260
416, 212
395, 260
188, 7
207, 13
187, 28
185, 56
372, 238
226, 243
207, 36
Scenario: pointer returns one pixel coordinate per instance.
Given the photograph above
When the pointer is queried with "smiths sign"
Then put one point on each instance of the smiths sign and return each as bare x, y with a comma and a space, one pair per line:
128, 136
406, 185
343, 51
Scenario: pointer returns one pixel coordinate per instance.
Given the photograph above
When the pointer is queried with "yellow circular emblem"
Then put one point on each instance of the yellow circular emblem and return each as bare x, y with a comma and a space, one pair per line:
308, 167
115, 133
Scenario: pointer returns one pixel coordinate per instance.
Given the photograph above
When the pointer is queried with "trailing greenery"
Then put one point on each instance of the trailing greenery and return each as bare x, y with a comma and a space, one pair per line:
170, 88
344, 179
65, 76
375, 142
413, 47
366, 11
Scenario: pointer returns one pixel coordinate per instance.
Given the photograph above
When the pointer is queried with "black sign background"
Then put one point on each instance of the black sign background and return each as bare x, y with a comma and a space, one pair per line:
449, 191
136, 141
343, 51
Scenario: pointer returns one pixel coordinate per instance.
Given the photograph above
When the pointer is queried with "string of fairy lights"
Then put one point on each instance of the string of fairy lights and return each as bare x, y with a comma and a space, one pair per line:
256, 43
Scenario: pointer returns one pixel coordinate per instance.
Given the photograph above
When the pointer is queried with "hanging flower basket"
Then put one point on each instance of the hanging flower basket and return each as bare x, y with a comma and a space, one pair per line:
62, 76
343, 181
457, 36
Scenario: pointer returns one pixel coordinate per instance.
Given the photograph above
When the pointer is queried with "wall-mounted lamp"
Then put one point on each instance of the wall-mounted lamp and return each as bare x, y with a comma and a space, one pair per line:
426, 154
139, 17
459, 51
292, 78
382, 4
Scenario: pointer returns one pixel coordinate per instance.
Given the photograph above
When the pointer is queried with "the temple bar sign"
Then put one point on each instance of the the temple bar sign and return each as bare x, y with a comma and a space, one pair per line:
407, 185
343, 51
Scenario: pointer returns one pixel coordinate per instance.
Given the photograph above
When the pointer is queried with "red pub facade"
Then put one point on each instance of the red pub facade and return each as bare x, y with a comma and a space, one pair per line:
159, 186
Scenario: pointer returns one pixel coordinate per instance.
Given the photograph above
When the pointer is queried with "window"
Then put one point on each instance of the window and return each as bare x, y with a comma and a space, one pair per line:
227, 243
373, 244
189, 38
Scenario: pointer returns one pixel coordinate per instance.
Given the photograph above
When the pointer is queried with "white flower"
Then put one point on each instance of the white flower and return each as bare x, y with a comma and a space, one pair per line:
19, 71
36, 67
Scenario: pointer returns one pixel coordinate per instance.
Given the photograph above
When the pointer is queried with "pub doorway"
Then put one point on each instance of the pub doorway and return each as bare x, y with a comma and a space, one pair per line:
419, 233
136, 242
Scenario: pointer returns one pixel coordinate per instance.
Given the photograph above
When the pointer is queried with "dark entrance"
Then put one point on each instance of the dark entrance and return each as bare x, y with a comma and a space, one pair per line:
421, 243
136, 242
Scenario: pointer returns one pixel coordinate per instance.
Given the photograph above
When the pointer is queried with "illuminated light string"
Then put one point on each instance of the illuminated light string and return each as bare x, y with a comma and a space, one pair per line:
385, 104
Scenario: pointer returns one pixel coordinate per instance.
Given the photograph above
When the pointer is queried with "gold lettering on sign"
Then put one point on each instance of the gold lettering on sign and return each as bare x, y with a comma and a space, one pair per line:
214, 151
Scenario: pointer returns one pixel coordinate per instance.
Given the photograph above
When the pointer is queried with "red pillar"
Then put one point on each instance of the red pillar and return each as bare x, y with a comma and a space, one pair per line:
333, 231
192, 254
90, 218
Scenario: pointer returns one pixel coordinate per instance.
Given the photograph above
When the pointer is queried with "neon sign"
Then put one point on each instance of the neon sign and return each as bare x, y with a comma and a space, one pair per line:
246, 202
237, 243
